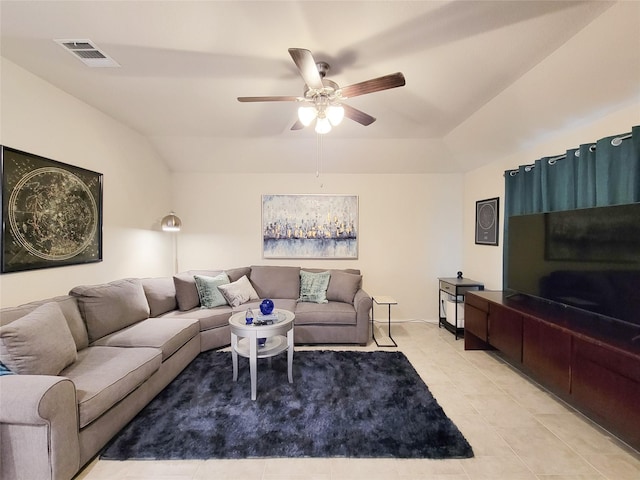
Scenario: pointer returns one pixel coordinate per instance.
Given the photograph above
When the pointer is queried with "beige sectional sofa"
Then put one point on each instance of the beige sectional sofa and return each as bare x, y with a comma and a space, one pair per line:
89, 361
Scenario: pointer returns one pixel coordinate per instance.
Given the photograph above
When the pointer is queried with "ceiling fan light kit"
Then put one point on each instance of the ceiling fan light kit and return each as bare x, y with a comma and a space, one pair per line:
307, 114
325, 116
323, 126
335, 114
322, 100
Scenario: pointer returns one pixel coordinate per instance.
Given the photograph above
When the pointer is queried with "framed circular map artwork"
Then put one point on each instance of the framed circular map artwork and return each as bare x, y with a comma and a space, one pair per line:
487, 212
51, 213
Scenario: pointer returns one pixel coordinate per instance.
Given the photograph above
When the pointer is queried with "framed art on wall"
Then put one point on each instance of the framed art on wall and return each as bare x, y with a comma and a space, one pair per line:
487, 221
310, 226
51, 213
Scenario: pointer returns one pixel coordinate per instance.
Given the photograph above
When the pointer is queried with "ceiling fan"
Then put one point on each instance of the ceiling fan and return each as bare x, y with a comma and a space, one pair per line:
322, 98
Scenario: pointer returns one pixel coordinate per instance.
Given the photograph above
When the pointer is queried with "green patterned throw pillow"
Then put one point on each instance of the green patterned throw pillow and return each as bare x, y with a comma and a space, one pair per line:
210, 295
313, 286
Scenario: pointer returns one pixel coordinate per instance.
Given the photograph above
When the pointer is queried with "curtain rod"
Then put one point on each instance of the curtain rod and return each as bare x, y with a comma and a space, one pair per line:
615, 141
618, 140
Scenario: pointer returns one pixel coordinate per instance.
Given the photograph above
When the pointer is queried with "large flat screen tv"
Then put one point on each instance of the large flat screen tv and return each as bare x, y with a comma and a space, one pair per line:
587, 259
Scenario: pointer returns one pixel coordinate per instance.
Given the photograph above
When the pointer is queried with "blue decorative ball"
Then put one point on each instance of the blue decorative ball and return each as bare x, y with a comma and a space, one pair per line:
266, 307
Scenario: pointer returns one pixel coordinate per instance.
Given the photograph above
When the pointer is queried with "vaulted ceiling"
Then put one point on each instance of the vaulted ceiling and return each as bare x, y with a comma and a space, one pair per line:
184, 63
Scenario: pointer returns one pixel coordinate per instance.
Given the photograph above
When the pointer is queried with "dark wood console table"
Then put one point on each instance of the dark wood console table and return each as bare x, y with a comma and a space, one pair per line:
591, 362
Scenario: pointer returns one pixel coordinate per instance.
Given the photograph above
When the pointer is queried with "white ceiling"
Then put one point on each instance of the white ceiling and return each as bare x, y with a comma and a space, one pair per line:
183, 63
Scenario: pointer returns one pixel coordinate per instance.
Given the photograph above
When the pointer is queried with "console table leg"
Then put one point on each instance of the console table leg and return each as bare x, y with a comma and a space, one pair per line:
389, 323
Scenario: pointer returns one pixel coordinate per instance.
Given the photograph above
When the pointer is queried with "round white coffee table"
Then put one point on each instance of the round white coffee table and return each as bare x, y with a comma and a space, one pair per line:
244, 342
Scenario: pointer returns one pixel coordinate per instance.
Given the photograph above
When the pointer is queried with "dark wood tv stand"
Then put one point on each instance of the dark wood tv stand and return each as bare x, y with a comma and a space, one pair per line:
593, 363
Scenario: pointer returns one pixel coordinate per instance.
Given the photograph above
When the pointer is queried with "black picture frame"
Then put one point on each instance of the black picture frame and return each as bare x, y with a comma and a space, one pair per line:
51, 213
487, 221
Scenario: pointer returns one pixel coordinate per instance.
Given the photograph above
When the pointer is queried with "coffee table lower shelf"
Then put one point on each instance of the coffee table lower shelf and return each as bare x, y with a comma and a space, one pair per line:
273, 346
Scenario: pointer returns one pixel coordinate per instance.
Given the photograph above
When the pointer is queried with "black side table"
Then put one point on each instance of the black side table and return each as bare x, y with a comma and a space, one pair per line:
383, 300
456, 287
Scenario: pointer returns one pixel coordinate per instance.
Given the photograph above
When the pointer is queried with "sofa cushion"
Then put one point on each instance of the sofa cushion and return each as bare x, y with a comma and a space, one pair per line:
69, 307
332, 313
105, 375
208, 292
40, 343
285, 304
236, 273
276, 282
161, 295
186, 290
111, 307
239, 292
166, 334
209, 317
278, 303
343, 286
353, 271
313, 286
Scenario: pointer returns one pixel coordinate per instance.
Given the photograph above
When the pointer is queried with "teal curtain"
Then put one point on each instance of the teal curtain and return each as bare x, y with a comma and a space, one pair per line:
606, 172
603, 173
586, 175
617, 170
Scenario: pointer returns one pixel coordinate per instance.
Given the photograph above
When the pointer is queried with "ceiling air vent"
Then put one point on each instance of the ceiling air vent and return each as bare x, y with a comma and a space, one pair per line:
86, 51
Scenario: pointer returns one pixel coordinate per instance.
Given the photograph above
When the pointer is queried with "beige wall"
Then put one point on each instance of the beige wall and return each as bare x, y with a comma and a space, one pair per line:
409, 228
41, 119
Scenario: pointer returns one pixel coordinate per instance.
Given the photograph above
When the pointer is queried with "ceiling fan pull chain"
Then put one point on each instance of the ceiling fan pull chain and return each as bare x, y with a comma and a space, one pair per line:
318, 154
319, 143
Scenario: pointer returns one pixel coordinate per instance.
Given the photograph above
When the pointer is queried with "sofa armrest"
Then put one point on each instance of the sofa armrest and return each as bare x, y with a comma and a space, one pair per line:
362, 302
39, 427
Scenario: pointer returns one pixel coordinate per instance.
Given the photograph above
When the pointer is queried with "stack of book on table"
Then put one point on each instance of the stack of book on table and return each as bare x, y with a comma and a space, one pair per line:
269, 319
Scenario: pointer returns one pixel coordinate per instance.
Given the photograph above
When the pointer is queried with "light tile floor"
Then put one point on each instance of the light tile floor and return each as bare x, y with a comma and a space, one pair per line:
517, 430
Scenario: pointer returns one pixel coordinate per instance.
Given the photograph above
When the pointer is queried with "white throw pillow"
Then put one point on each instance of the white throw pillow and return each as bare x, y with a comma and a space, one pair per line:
239, 292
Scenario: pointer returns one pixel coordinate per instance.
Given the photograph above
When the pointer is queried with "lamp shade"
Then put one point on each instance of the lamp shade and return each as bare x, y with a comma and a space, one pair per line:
171, 223
306, 114
335, 114
322, 125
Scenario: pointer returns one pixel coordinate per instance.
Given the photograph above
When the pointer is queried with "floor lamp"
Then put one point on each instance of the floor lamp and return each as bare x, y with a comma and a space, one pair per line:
172, 223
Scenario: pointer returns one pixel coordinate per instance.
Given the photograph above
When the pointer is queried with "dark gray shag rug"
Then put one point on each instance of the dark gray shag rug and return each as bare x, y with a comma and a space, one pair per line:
341, 404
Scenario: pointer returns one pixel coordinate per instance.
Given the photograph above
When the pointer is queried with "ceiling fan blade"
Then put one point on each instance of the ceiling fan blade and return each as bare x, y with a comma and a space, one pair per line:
307, 66
269, 99
297, 126
358, 115
374, 85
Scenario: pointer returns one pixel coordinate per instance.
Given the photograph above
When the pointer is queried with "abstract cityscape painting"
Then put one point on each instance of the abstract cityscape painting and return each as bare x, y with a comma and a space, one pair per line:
310, 226
51, 213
